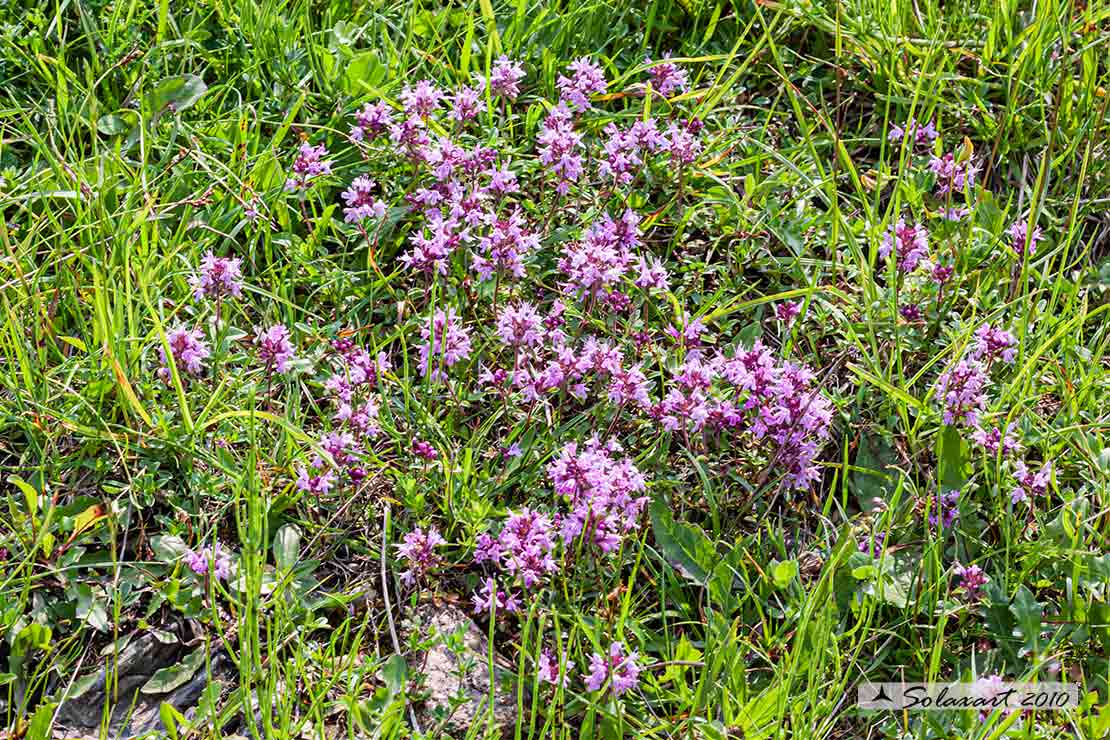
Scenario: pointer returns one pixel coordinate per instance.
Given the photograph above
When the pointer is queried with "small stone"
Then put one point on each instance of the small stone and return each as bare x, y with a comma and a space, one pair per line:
457, 670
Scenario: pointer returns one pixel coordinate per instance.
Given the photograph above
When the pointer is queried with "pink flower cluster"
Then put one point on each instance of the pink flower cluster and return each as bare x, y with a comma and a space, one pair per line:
218, 277
604, 491
620, 668
446, 342
962, 390
1030, 484
275, 349
310, 164
992, 343
908, 242
200, 560
189, 351
523, 551
418, 550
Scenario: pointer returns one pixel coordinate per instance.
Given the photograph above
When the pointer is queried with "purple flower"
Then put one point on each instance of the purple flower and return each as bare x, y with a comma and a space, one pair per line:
342, 446
955, 213
418, 549
873, 544
605, 493
411, 135
446, 342
490, 598
603, 255
683, 143
619, 161
921, 135
1030, 484
502, 181
200, 560
787, 311
361, 203
504, 248
250, 210
969, 580
953, 176
275, 350
309, 165
938, 273
423, 449
550, 671
992, 343
319, 479
586, 79
962, 390
909, 243
559, 146
994, 440
1020, 239
911, 312
623, 670
520, 326
653, 275
421, 99
373, 120
629, 386
464, 104
505, 77
217, 277
946, 509
689, 335
527, 543
783, 406
667, 77
189, 352
434, 244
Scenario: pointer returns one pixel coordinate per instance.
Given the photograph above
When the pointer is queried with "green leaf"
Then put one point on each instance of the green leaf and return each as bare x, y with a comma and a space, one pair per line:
785, 572
30, 495
684, 546
951, 458
171, 718
287, 546
175, 93
32, 637
365, 72
758, 717
394, 673
168, 548
171, 677
90, 607
115, 124
1027, 611
873, 476
39, 727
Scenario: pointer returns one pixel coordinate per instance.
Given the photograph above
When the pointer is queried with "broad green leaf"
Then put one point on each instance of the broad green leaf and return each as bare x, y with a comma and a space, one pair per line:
951, 458
90, 607
30, 495
1027, 611
684, 546
176, 94
172, 677
365, 72
287, 546
784, 572
394, 673
168, 548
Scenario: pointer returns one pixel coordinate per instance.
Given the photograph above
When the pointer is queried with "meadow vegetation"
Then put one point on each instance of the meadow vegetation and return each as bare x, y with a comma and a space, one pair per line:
710, 358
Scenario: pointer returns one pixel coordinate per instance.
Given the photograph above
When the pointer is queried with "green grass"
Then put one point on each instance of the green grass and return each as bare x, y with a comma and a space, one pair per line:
131, 136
